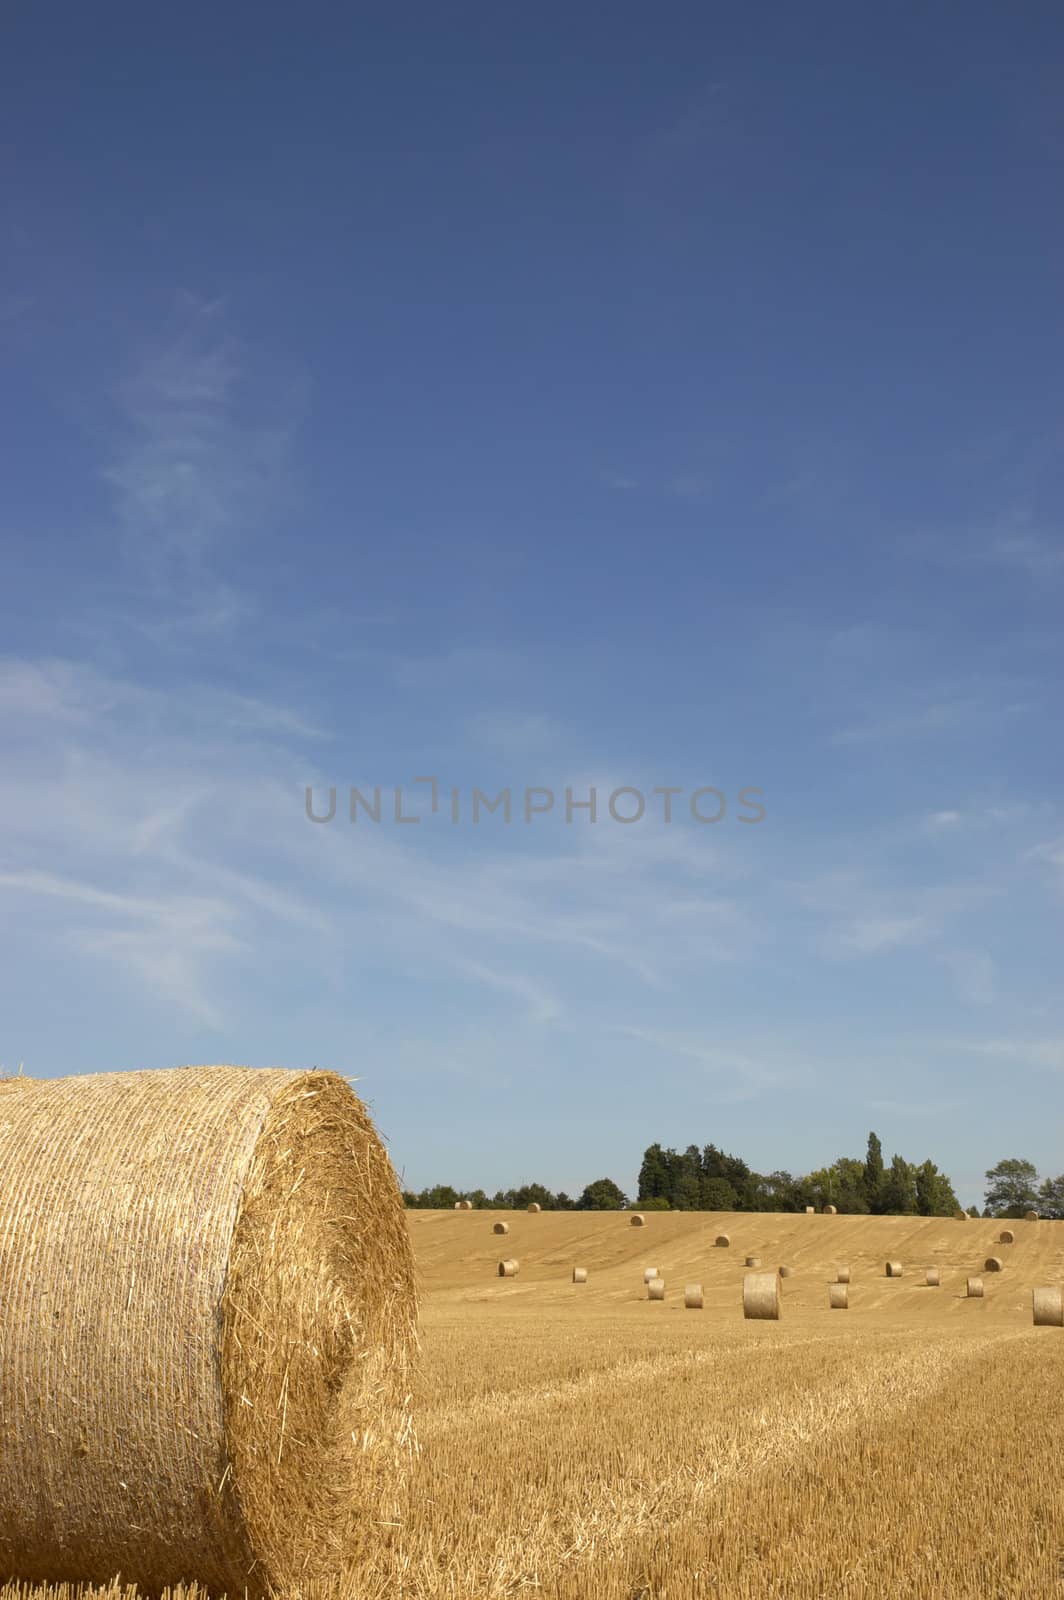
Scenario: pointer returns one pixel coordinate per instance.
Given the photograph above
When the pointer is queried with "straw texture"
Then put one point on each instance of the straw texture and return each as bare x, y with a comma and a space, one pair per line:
842, 1275
810, 1211
830, 1211
934, 1281
579, 1274
656, 1289
500, 1227
992, 1264
1048, 1308
692, 1297
752, 1261
722, 1241
508, 1269
975, 1288
1030, 1216
761, 1296
534, 1206
209, 1320
785, 1272
894, 1269
1006, 1236
649, 1273
838, 1296
638, 1220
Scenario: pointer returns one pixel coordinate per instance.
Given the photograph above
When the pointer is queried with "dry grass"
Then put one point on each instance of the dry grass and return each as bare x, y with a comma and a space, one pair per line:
711, 1458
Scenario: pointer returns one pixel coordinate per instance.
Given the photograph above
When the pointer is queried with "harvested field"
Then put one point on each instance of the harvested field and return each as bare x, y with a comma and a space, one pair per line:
710, 1455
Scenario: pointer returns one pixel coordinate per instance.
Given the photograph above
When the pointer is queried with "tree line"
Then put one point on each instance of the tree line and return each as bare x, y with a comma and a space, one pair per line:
709, 1179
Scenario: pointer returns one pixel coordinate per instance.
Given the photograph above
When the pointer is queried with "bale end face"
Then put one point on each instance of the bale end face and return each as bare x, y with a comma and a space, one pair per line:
722, 1241
656, 1289
761, 1297
992, 1264
535, 1207
1006, 1236
786, 1272
501, 1227
692, 1297
1030, 1216
638, 1220
893, 1269
508, 1269
1047, 1306
830, 1211
838, 1297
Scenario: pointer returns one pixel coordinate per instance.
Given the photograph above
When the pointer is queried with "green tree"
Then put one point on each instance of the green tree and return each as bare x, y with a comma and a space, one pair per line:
657, 1202
602, 1195
873, 1174
934, 1192
899, 1189
717, 1195
653, 1174
1011, 1188
1051, 1198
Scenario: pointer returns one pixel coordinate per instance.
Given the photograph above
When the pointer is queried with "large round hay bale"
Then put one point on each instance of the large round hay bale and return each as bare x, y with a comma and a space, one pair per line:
656, 1289
208, 1317
810, 1211
838, 1296
500, 1227
786, 1272
638, 1219
842, 1275
1006, 1236
933, 1279
508, 1268
761, 1296
974, 1288
894, 1269
722, 1241
649, 1273
829, 1211
692, 1297
962, 1216
535, 1206
1048, 1308
1030, 1216
752, 1261
579, 1274
467, 1205
992, 1264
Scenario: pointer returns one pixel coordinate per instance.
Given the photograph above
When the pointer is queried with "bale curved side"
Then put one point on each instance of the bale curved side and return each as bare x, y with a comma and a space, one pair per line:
894, 1269
535, 1206
761, 1296
752, 1261
933, 1279
208, 1290
974, 1288
838, 1297
509, 1268
786, 1272
692, 1297
656, 1289
842, 1275
1047, 1306
579, 1274
649, 1273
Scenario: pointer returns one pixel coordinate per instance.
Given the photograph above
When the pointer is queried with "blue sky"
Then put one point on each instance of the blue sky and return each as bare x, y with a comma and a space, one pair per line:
563, 399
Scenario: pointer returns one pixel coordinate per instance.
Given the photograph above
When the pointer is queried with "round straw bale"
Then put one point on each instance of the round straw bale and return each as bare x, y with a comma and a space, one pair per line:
1006, 1236
209, 1320
838, 1296
975, 1288
829, 1211
579, 1274
467, 1205
459, 1205
842, 1275
692, 1297
534, 1206
753, 1261
1048, 1308
761, 1296
1030, 1216
893, 1269
500, 1227
638, 1219
656, 1289
992, 1264
649, 1273
786, 1272
509, 1268
810, 1211
722, 1241
933, 1279
962, 1216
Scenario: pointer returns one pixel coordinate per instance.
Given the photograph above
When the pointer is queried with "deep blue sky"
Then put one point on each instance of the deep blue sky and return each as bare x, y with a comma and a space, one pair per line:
574, 397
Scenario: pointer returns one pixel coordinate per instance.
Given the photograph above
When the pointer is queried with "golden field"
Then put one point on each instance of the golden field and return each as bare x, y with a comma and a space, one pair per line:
582, 1442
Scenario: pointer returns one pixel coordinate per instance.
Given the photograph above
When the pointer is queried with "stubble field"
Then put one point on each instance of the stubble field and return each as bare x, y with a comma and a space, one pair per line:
584, 1443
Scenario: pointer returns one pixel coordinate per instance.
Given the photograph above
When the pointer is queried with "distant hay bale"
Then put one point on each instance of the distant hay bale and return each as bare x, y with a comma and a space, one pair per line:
838, 1297
933, 1279
534, 1206
649, 1273
722, 1241
786, 1272
893, 1269
463, 1205
692, 1297
829, 1211
810, 1211
656, 1289
1030, 1216
579, 1274
638, 1219
962, 1216
508, 1269
1048, 1308
208, 1331
992, 1264
761, 1296
1006, 1236
975, 1288
842, 1275
500, 1227
753, 1261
